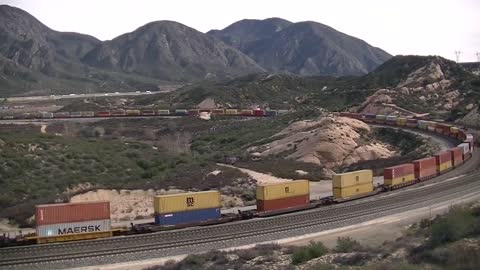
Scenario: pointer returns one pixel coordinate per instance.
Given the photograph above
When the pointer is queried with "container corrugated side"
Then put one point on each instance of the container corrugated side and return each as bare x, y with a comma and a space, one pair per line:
444, 166
187, 217
425, 167
186, 201
342, 193
465, 148
74, 228
71, 212
282, 190
269, 205
457, 156
398, 171
352, 178
399, 180
443, 157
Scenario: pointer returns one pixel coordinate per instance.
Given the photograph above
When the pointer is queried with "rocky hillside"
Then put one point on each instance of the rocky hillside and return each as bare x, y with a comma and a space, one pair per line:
35, 59
38, 60
330, 142
171, 51
304, 48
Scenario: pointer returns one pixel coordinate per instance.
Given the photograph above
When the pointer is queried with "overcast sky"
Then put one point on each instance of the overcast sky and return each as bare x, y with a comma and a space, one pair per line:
424, 27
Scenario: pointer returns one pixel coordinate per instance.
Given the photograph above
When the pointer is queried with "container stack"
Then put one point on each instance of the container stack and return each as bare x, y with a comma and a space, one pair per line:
425, 168
391, 120
352, 184
381, 118
431, 126
401, 121
187, 208
422, 124
72, 218
465, 150
457, 156
443, 161
398, 175
277, 196
413, 123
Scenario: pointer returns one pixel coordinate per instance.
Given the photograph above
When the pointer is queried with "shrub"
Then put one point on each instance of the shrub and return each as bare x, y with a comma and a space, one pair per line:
347, 245
313, 250
456, 224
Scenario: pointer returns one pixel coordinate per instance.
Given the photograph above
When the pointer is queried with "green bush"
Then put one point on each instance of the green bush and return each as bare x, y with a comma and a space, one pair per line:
456, 224
312, 251
347, 245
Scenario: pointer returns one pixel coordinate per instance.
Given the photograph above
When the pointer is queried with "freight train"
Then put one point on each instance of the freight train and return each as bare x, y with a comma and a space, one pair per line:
144, 113
71, 222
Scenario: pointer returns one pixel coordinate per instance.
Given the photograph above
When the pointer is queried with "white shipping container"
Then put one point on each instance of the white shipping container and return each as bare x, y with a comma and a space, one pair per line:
468, 137
74, 228
465, 148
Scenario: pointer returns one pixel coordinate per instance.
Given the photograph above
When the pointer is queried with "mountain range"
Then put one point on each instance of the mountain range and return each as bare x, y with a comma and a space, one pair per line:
35, 59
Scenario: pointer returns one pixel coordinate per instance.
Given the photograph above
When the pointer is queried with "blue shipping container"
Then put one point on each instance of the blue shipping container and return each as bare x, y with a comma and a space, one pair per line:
187, 217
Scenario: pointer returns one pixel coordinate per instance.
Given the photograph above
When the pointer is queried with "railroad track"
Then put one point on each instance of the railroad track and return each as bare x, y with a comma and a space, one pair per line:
195, 239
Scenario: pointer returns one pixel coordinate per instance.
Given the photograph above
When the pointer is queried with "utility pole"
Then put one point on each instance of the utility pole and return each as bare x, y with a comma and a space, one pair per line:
457, 54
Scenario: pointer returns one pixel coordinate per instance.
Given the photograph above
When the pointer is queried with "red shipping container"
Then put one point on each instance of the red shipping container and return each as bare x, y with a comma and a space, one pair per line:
71, 212
425, 167
457, 155
443, 157
278, 204
398, 171
259, 112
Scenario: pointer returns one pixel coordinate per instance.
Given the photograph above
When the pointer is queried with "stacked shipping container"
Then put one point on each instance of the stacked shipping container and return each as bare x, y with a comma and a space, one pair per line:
72, 218
425, 168
457, 156
443, 161
283, 195
352, 184
186, 208
398, 175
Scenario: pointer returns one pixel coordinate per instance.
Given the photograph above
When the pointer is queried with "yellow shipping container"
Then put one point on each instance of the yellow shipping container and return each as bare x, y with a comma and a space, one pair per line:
186, 201
349, 179
399, 180
444, 166
454, 130
401, 121
346, 192
231, 111
283, 190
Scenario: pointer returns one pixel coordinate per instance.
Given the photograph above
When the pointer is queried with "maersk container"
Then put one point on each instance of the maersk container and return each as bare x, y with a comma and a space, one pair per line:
187, 217
357, 190
425, 168
71, 212
349, 179
91, 226
399, 174
278, 204
165, 204
273, 191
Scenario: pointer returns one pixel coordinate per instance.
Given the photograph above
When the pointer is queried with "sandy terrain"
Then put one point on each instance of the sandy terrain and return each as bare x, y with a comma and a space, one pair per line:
329, 142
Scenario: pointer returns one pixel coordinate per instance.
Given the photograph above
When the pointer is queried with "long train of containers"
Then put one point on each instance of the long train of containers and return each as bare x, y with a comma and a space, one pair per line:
86, 219
133, 112
186, 208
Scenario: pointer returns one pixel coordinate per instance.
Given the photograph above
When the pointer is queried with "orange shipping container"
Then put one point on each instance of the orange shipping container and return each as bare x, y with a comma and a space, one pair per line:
278, 204
71, 212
